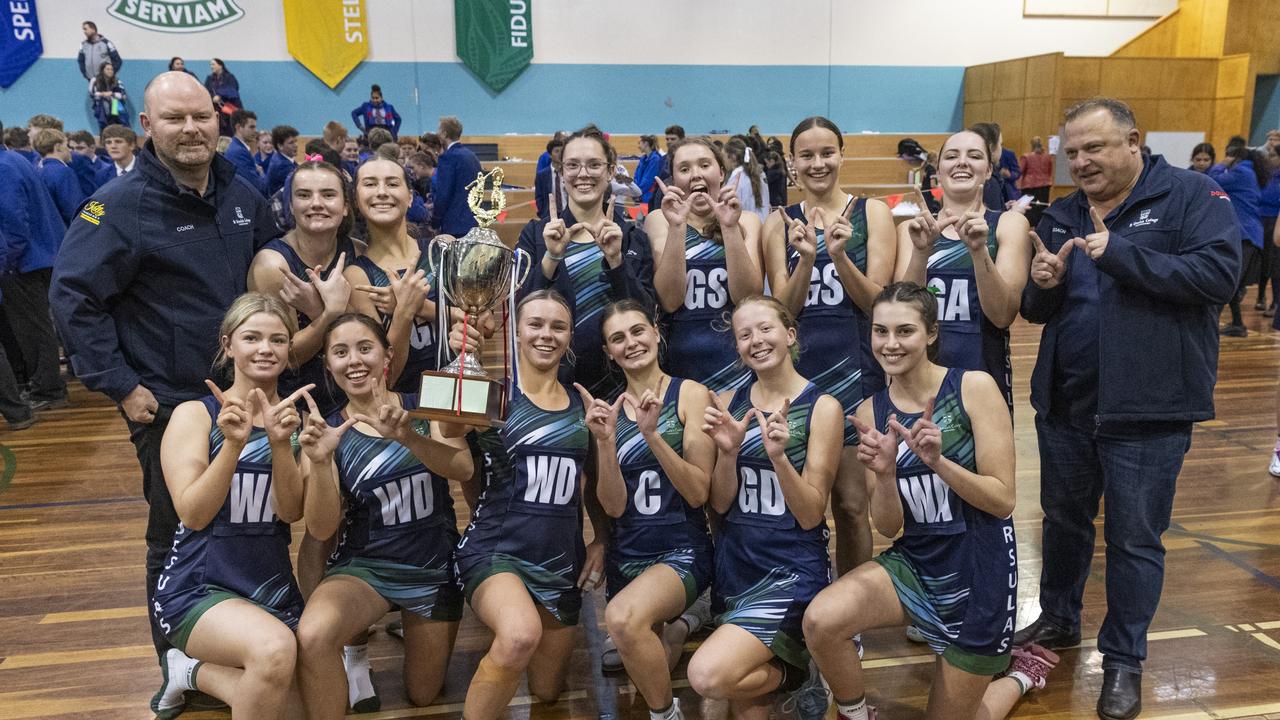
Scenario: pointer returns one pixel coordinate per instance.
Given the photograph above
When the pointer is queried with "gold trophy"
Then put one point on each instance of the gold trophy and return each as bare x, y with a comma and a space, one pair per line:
473, 273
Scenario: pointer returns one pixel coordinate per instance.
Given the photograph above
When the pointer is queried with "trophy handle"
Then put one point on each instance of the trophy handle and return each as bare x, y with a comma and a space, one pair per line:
522, 255
438, 247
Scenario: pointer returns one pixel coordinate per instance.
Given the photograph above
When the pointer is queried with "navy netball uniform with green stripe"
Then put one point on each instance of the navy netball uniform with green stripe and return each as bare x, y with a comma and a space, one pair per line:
699, 340
584, 263
423, 337
327, 395
955, 567
768, 568
832, 344
399, 530
658, 525
967, 339
243, 553
528, 519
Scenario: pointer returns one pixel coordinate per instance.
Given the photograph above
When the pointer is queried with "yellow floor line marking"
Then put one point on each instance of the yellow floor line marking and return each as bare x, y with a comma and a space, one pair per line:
1246, 627
1266, 640
19, 520
67, 548
70, 657
1269, 625
84, 615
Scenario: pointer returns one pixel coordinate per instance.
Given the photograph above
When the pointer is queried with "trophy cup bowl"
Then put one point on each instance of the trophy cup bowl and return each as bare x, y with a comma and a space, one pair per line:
475, 274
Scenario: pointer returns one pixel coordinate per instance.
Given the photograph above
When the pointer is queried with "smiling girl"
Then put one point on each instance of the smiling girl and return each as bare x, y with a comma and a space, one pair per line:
938, 449
227, 599
778, 444
974, 260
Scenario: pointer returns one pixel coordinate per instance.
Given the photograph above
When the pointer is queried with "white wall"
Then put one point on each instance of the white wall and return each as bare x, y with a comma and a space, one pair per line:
675, 32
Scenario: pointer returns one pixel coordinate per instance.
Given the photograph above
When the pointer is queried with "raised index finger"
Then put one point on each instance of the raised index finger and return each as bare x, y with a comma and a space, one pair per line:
786, 219
1039, 244
217, 392
1099, 223
608, 212
551, 203
296, 394
311, 403
587, 398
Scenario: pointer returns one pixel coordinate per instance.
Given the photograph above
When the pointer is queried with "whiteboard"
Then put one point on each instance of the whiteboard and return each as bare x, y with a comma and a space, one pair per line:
1174, 146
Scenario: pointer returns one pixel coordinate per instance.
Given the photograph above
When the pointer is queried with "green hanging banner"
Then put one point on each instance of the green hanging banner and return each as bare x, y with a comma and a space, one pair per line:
494, 38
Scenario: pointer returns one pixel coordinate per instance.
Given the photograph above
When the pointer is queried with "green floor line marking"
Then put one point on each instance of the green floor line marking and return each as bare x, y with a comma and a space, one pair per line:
10, 467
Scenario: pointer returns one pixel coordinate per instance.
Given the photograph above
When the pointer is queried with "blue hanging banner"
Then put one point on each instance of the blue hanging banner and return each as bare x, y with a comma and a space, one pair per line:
20, 44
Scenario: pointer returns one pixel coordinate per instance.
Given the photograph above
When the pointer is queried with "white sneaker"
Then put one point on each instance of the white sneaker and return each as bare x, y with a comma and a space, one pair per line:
178, 671
698, 615
1274, 468
361, 694
914, 635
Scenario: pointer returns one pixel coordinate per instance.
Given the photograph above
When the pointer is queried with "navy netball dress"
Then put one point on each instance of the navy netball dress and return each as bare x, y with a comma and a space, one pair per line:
658, 525
243, 553
399, 530
699, 335
528, 519
955, 567
768, 568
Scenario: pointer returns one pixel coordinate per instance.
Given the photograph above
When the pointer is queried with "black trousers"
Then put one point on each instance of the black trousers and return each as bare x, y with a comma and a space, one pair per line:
12, 406
162, 519
26, 306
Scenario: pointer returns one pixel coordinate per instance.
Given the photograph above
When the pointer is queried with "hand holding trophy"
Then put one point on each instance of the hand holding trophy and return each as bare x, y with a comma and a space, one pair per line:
474, 273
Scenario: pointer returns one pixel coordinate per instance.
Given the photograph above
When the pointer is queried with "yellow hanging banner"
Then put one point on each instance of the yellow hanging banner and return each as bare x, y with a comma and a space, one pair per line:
328, 37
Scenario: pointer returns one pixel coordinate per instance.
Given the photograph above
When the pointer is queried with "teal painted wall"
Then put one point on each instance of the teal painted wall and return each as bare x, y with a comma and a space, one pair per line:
619, 98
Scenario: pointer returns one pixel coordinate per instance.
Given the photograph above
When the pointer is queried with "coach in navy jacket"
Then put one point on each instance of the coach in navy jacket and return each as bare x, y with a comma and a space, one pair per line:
148, 268
1129, 281
456, 168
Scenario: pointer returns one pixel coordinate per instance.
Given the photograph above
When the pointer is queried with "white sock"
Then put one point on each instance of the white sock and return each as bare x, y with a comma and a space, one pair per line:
355, 660
856, 710
671, 713
1024, 682
181, 676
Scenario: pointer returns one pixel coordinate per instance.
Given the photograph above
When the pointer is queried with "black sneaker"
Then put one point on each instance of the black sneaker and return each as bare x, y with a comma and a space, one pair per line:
1233, 331
23, 424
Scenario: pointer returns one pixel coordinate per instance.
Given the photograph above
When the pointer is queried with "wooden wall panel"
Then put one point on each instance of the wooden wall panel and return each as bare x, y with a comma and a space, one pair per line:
1188, 78
1009, 114
1042, 74
1161, 39
1040, 116
1131, 77
1010, 80
1228, 119
1079, 77
979, 83
1233, 76
1251, 28
977, 112
1181, 115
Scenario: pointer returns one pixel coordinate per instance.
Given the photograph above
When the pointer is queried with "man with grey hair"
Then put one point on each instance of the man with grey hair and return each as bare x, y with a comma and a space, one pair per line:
1129, 279
149, 265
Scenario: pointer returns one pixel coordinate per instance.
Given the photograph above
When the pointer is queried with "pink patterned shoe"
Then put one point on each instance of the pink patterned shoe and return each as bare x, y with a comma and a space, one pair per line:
1034, 663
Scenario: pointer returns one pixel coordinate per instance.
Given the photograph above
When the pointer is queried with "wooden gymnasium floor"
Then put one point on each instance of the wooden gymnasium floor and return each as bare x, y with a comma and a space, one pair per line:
74, 640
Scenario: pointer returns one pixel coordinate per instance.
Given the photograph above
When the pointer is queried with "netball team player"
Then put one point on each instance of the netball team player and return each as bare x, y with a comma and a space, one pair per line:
778, 443
707, 258
227, 599
826, 259
591, 256
653, 477
938, 449
522, 562
300, 267
390, 279
378, 480
974, 260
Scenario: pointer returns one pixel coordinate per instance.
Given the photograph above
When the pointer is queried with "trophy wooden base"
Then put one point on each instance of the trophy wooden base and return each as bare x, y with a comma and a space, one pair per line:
483, 401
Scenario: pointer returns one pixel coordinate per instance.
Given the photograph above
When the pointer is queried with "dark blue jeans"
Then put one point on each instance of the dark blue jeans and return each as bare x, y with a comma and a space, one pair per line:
1137, 477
